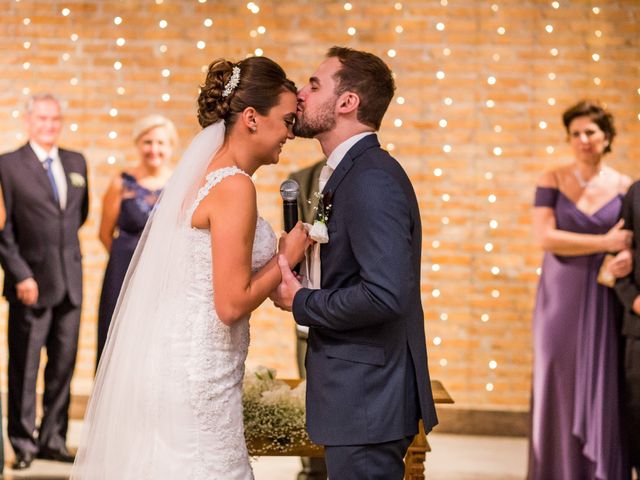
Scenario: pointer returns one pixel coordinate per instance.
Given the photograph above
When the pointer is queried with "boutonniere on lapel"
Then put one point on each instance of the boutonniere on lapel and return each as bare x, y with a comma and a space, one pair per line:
77, 180
319, 231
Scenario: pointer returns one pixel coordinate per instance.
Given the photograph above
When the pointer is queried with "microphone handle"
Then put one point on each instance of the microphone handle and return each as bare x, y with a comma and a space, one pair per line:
290, 210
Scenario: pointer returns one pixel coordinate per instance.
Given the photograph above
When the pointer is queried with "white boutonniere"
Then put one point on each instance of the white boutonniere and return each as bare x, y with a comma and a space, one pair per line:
77, 180
319, 231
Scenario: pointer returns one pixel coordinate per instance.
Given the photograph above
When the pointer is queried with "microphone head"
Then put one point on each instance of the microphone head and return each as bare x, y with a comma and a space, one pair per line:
289, 190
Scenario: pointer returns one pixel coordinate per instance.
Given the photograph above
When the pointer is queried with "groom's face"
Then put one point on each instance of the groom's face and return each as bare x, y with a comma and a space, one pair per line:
317, 100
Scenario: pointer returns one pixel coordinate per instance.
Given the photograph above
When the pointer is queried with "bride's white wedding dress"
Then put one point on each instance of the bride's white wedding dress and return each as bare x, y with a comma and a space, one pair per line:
215, 355
167, 400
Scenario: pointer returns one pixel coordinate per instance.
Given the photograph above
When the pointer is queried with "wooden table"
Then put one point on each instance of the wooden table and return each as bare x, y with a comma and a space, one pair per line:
414, 460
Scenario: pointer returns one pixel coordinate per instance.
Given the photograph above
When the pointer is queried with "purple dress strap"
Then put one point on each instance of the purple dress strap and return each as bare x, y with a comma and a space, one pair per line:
546, 197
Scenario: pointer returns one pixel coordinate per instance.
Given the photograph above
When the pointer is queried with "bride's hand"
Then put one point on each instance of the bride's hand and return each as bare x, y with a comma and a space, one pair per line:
293, 244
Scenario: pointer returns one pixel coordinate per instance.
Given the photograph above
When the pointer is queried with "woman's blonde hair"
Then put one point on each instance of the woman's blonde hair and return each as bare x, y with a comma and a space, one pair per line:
150, 122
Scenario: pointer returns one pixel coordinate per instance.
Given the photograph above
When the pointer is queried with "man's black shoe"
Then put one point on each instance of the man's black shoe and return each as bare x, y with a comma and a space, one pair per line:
61, 455
22, 461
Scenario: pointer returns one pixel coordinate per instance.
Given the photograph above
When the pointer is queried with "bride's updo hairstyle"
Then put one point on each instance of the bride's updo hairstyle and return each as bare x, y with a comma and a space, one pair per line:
259, 84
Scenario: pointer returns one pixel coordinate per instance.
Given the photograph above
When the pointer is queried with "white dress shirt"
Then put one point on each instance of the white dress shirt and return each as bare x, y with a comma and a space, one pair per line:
338, 154
56, 169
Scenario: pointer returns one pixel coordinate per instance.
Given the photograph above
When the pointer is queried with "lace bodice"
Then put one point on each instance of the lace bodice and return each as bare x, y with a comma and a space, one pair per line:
217, 352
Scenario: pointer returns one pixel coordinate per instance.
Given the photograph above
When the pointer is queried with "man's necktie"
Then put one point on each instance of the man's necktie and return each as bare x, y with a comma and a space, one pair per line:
48, 161
325, 174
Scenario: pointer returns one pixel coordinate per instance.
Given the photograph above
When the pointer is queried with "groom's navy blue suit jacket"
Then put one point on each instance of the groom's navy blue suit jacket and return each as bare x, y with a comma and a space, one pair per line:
366, 322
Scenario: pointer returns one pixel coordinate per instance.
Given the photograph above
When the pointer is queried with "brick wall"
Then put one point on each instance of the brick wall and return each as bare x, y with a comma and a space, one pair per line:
476, 119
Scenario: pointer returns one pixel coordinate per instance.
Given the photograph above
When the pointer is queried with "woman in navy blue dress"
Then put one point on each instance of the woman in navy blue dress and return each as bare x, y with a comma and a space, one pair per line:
126, 207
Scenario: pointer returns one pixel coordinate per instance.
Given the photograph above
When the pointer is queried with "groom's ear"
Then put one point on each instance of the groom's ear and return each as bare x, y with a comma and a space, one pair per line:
348, 102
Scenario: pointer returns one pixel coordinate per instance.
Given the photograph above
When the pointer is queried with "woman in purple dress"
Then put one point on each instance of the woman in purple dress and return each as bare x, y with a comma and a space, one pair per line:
126, 207
575, 405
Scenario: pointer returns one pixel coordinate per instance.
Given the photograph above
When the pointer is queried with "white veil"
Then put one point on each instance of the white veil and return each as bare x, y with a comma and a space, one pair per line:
137, 424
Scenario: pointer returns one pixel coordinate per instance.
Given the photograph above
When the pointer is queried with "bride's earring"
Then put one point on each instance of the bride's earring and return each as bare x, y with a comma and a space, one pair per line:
253, 129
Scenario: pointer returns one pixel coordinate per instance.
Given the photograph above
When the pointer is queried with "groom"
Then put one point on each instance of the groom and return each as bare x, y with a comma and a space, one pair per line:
368, 383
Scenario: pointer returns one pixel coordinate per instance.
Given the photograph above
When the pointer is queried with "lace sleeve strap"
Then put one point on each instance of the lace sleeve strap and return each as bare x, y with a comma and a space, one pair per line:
213, 178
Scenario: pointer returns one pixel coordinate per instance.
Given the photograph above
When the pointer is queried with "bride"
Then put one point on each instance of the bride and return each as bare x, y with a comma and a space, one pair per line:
167, 401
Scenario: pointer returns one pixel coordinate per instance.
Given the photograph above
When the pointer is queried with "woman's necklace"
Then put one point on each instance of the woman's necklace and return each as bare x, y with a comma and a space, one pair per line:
587, 183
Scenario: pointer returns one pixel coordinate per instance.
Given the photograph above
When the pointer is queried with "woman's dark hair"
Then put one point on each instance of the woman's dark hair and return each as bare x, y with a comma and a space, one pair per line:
597, 114
261, 82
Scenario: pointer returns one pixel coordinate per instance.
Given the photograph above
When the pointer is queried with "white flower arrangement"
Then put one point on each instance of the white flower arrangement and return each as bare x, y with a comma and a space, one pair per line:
274, 413
319, 231
77, 180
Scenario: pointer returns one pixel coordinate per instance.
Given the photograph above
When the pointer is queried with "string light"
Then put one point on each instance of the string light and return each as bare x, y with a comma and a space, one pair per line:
166, 97
491, 80
435, 267
397, 122
120, 42
440, 75
163, 23
399, 29
501, 30
437, 341
444, 317
391, 53
201, 45
484, 317
348, 7
440, 26
435, 293
207, 22
400, 100
113, 112
65, 12
117, 20
437, 172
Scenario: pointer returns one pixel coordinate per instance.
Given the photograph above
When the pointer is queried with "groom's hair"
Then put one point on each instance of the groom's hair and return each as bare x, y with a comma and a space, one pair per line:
369, 77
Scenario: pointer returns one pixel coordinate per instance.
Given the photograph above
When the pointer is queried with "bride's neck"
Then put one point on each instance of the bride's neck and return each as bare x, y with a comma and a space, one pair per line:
235, 154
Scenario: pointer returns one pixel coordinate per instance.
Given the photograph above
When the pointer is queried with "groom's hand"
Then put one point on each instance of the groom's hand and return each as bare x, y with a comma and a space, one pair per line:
284, 293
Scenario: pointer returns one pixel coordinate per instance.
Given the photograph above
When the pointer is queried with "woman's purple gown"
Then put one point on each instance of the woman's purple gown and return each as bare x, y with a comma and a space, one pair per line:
576, 422
135, 208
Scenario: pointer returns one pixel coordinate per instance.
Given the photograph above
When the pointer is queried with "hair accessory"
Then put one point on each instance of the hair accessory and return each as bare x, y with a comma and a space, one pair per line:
233, 82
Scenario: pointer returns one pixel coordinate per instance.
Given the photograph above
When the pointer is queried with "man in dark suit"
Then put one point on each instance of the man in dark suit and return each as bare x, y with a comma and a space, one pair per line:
307, 179
628, 290
46, 198
367, 376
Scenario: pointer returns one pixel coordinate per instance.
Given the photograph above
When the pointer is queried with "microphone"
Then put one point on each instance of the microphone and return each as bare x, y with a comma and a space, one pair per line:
289, 191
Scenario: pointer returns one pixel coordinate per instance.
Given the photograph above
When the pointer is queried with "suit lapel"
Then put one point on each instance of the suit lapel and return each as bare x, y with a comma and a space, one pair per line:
370, 141
37, 171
